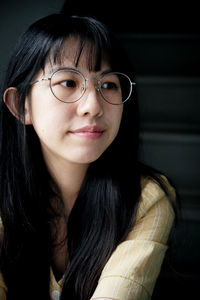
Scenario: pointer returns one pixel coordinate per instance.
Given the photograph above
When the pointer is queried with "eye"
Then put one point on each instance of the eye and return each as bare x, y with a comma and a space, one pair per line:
109, 85
68, 83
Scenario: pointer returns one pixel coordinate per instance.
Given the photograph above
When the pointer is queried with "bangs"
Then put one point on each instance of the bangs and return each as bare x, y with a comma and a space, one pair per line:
94, 52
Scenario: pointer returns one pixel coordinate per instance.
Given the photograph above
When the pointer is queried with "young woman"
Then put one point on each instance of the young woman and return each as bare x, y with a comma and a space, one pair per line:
81, 218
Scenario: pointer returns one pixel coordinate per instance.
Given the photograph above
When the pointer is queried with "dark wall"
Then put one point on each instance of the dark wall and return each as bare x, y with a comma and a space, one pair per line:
15, 17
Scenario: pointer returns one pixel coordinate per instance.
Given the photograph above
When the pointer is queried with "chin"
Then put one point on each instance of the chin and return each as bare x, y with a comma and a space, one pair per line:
87, 158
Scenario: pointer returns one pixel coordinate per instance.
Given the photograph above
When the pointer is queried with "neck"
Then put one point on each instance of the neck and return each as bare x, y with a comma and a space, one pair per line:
68, 178
70, 183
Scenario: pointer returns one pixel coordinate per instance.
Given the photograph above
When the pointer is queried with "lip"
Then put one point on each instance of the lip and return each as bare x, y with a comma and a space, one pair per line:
89, 132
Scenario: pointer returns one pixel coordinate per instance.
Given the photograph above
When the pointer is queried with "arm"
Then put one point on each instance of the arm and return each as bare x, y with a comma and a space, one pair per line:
132, 270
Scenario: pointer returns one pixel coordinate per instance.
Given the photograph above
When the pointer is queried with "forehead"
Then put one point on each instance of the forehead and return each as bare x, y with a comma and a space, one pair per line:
74, 53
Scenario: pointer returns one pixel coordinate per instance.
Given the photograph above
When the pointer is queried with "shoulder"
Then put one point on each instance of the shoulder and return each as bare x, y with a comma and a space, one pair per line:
152, 193
3, 288
155, 213
133, 267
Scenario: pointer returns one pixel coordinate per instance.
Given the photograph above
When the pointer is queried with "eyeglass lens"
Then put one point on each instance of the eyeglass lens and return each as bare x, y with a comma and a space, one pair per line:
69, 86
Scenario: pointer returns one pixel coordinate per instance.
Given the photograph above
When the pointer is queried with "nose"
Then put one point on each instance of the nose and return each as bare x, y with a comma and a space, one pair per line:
90, 103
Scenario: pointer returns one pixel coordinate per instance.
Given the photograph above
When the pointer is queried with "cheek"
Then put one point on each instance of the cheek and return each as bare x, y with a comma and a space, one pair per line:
43, 119
115, 117
49, 116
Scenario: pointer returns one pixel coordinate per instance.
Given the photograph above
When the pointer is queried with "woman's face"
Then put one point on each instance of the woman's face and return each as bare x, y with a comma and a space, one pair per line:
76, 132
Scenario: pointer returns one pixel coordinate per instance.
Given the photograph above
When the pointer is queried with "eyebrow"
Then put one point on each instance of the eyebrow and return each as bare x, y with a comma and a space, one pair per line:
106, 72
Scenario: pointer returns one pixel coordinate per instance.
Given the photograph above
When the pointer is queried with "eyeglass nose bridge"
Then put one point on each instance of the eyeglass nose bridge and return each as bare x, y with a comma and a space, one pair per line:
97, 87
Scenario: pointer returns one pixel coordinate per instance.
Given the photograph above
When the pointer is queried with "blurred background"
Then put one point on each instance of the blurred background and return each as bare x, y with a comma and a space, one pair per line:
162, 41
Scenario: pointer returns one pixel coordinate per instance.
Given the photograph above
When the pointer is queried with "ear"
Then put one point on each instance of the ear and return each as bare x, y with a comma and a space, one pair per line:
11, 98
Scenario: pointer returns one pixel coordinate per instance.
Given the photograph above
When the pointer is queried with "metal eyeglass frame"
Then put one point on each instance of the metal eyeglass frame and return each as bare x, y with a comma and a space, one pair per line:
98, 88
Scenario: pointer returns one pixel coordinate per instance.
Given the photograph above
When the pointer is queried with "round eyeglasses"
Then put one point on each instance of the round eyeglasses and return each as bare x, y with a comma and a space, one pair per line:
69, 85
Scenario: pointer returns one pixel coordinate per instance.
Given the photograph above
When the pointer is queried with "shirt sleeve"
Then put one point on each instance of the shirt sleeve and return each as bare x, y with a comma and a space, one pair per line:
3, 288
132, 270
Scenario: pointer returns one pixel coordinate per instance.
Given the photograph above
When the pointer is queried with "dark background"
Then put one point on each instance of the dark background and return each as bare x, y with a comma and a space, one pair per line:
163, 42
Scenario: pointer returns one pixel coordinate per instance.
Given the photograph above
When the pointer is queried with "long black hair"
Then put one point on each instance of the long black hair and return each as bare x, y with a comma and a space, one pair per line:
104, 211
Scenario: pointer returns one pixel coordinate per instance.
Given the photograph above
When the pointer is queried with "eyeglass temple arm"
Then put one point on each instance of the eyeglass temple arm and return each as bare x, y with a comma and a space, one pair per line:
33, 82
